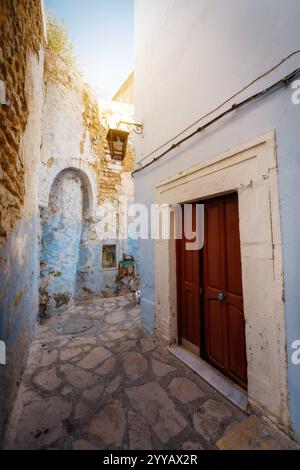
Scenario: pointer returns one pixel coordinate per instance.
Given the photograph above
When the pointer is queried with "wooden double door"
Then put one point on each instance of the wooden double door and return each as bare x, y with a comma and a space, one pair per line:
210, 295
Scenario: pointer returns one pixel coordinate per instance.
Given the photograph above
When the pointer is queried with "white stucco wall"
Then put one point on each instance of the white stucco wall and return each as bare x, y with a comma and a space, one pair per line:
191, 55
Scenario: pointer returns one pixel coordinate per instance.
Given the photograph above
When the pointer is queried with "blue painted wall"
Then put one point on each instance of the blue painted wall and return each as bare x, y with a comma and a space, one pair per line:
288, 143
19, 283
89, 275
61, 235
70, 252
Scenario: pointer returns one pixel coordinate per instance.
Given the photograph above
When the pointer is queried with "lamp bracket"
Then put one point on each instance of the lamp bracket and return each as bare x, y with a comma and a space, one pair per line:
137, 128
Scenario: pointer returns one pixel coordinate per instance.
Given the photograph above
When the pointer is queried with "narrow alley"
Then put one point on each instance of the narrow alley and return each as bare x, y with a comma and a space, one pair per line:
96, 380
149, 227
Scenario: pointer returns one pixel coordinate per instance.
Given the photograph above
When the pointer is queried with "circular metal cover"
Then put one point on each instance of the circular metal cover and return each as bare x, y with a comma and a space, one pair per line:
74, 326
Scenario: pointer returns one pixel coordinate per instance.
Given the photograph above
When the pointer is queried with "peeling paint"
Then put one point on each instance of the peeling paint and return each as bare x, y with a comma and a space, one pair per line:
18, 298
80, 146
22, 63
50, 162
62, 299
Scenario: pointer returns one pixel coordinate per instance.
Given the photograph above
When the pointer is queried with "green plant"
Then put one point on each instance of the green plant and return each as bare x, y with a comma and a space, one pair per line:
58, 40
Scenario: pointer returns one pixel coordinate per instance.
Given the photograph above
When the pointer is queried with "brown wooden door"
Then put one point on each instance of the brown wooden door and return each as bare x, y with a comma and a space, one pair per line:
188, 281
223, 315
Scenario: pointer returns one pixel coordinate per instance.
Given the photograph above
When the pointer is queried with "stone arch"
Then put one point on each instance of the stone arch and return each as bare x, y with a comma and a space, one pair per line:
88, 199
51, 171
68, 244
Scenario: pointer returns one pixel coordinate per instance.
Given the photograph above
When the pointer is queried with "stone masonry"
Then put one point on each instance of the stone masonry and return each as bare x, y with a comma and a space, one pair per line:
22, 42
52, 135
74, 144
20, 32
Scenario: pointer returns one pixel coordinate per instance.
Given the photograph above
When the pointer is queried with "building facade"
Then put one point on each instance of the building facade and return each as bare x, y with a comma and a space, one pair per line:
21, 73
59, 188
81, 190
221, 118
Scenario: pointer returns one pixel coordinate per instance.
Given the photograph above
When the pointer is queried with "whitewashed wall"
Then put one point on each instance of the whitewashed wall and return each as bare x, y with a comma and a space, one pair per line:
191, 55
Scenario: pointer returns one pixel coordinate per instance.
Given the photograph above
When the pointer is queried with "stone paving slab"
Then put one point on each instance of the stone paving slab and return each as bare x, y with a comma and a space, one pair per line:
254, 433
113, 386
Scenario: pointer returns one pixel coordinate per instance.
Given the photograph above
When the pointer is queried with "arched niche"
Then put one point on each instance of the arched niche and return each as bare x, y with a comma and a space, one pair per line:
48, 175
68, 245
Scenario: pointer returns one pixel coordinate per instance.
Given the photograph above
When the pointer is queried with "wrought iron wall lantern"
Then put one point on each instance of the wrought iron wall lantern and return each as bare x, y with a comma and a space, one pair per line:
118, 139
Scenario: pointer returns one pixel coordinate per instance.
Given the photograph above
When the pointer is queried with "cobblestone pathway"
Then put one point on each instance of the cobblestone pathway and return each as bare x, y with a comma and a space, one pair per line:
96, 380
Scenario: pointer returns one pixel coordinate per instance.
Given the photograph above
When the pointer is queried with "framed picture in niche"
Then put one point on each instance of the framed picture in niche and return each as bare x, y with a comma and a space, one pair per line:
126, 268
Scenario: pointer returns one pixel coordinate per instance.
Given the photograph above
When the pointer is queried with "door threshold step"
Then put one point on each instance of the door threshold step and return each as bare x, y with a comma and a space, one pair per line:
222, 384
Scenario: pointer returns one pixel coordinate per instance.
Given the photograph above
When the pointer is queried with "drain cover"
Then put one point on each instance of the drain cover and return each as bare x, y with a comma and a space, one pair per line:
74, 326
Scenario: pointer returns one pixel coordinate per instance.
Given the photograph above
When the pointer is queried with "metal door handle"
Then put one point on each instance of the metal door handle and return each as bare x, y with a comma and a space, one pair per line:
221, 296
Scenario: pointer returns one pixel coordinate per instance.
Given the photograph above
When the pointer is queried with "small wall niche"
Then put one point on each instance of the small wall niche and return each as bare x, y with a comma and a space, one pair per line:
109, 257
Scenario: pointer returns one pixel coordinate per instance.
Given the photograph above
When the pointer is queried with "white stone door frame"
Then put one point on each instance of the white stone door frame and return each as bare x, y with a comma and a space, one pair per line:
251, 171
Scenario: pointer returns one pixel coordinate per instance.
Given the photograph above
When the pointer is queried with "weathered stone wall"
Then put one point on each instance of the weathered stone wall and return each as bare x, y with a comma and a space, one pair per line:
21, 73
55, 172
75, 126
98, 118
61, 229
20, 32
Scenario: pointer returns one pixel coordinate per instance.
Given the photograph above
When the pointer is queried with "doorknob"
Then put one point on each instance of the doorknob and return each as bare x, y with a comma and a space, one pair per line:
221, 296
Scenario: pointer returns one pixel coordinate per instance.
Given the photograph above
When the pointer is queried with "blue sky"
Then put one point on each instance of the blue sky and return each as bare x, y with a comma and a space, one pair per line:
102, 33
